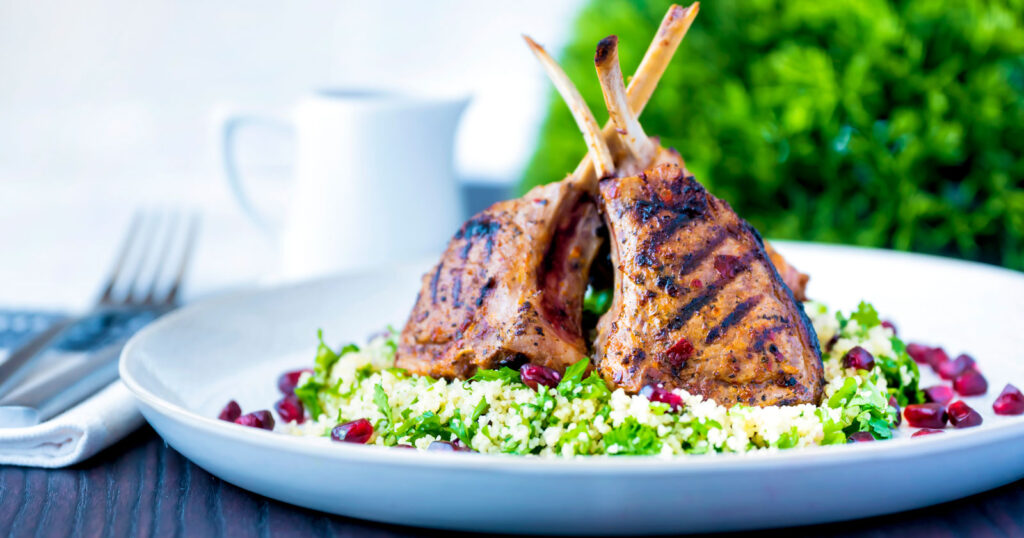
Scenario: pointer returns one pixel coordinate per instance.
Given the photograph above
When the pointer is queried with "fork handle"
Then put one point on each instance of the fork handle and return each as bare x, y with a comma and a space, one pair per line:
17, 364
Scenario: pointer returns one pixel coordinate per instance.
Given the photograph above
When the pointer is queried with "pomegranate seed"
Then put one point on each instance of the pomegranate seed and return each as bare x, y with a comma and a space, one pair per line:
535, 374
858, 358
290, 409
970, 383
888, 325
962, 416
448, 446
940, 394
726, 265
696, 283
926, 431
257, 419
679, 353
935, 357
1009, 402
230, 412
927, 415
918, 352
289, 380
952, 369
358, 431
860, 437
659, 394
893, 403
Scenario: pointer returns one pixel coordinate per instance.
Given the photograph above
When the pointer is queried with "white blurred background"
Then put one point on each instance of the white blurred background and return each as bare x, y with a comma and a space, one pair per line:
110, 105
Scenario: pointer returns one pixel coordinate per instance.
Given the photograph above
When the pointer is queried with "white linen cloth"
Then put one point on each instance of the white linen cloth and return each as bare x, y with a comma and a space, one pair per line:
76, 434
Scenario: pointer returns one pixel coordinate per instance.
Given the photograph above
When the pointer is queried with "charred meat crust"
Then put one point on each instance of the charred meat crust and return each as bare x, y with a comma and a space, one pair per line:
509, 288
693, 272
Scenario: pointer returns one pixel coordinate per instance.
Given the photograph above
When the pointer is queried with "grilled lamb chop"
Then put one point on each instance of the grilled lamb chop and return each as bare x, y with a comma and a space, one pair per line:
698, 305
509, 289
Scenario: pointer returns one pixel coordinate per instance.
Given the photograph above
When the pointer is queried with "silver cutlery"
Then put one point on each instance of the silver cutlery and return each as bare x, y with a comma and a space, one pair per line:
144, 283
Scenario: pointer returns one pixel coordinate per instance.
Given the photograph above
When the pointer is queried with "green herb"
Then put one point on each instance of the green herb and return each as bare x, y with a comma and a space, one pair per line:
325, 356
788, 439
866, 316
573, 377
597, 302
308, 393
633, 439
381, 399
505, 375
426, 424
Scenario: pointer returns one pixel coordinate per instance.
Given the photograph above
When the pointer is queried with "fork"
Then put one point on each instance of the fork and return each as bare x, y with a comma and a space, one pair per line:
128, 299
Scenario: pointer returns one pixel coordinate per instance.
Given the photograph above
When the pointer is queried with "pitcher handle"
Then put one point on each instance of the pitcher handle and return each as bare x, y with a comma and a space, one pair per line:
231, 121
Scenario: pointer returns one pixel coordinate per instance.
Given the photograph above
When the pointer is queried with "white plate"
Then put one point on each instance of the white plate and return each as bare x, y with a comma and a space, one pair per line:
187, 365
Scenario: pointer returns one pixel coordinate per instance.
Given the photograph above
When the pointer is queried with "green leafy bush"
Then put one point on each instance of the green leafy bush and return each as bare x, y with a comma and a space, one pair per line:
895, 124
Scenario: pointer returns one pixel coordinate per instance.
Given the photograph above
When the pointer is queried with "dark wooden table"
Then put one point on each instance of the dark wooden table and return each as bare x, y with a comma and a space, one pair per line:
143, 487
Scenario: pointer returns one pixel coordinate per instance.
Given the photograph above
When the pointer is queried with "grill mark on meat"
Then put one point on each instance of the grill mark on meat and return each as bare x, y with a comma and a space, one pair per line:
708, 293
433, 283
732, 318
474, 229
691, 204
692, 260
457, 293
484, 291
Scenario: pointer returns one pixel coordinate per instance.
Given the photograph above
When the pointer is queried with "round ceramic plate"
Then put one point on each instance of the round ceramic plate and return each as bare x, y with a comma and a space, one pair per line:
186, 366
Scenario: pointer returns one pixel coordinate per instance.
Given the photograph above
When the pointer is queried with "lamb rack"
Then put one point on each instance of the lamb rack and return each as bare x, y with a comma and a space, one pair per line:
698, 303
509, 288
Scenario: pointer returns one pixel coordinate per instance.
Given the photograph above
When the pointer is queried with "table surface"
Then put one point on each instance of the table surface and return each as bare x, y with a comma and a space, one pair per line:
142, 487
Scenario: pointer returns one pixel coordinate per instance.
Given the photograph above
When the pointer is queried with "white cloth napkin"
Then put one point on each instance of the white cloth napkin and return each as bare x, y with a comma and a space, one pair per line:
76, 434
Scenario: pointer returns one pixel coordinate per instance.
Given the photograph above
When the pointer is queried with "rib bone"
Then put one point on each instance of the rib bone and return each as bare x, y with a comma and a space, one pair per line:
670, 33
598, 149
609, 72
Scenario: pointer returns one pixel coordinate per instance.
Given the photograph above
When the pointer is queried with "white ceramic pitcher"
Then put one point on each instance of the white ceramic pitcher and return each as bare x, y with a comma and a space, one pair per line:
373, 182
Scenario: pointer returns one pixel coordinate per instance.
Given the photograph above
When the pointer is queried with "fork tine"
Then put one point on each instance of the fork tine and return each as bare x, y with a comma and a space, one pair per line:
168, 244
146, 246
126, 247
186, 255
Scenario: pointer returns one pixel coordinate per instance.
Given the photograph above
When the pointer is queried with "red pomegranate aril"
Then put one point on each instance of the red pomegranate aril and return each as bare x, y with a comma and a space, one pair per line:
289, 380
918, 352
893, 403
290, 409
535, 374
935, 357
962, 416
859, 358
940, 394
1009, 402
952, 369
679, 353
927, 415
860, 437
696, 283
230, 412
926, 431
358, 431
889, 325
448, 446
656, 393
970, 383
257, 419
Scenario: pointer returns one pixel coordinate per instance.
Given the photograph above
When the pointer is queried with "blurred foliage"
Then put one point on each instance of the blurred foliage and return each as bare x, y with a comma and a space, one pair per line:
894, 124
